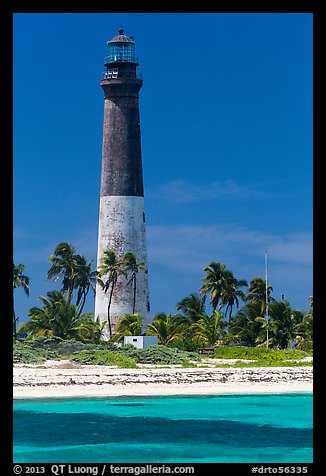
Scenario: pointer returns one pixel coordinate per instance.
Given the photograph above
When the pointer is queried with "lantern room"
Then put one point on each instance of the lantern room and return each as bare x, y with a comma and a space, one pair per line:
121, 49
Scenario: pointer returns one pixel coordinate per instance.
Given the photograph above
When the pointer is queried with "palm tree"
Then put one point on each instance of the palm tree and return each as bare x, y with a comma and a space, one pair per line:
165, 327
64, 265
281, 325
311, 302
19, 280
128, 325
130, 265
231, 293
214, 282
243, 327
304, 329
257, 293
192, 308
302, 335
85, 280
223, 287
60, 318
209, 330
111, 268
75, 270
86, 328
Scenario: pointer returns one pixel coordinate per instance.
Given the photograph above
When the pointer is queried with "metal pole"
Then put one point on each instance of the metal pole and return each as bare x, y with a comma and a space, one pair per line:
266, 297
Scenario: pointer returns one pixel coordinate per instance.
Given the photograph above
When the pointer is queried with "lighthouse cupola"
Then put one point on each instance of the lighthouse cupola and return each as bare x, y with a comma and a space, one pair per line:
121, 60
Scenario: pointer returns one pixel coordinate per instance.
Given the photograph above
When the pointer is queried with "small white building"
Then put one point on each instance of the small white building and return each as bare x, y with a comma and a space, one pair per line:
140, 342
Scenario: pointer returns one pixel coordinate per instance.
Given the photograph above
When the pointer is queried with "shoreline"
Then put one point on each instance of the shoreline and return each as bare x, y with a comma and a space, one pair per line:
91, 381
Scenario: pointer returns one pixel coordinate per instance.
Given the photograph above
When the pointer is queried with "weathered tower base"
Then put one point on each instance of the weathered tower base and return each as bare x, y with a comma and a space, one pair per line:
122, 229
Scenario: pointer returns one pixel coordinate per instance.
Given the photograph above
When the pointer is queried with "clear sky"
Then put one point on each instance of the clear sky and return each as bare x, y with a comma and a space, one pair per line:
226, 130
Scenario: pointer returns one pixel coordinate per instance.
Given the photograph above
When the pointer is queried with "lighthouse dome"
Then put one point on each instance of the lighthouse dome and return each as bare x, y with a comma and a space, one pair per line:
121, 38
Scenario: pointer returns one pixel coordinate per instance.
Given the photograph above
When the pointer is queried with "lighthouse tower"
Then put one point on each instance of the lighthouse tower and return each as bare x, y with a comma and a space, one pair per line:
122, 215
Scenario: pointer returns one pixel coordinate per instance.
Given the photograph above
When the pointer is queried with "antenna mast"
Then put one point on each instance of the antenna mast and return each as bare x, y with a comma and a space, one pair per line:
266, 297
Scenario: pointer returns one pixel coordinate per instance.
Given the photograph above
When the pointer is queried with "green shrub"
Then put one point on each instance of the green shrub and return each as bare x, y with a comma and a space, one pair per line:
185, 343
43, 342
38, 349
305, 345
60, 347
23, 354
103, 357
157, 354
258, 353
266, 363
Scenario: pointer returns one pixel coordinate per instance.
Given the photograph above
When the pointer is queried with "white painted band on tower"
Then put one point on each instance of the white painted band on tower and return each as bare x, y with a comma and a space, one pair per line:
122, 229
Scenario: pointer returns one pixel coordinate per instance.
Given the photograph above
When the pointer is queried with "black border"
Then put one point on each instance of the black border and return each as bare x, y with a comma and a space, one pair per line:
7, 10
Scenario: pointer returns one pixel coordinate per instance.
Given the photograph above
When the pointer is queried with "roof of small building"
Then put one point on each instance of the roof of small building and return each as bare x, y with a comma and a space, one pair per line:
121, 38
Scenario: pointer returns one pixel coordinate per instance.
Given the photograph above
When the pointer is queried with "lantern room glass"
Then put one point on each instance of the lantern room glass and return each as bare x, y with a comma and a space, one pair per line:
121, 52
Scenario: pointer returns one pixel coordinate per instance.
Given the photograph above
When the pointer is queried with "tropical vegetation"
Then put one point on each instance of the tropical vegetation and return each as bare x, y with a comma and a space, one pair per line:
39, 349
223, 288
128, 325
75, 271
59, 317
19, 280
225, 313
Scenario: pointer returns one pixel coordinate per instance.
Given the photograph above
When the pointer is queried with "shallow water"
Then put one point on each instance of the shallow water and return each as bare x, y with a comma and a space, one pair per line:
211, 428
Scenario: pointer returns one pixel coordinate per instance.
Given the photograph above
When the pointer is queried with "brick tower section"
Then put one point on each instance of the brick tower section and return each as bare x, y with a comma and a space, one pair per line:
122, 216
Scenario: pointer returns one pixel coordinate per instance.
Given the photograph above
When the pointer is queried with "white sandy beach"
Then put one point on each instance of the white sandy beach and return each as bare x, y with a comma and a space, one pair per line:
62, 379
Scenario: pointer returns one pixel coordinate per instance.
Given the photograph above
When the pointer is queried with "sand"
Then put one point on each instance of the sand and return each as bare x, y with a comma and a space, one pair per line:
66, 380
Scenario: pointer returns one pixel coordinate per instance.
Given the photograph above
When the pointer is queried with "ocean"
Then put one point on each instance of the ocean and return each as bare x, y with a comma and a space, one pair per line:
264, 428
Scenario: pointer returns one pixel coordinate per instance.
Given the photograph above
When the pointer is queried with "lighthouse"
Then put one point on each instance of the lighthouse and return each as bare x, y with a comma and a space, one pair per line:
122, 223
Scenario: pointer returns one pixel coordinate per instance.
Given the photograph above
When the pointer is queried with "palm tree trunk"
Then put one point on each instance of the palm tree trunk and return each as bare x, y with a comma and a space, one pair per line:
83, 304
69, 294
134, 299
15, 326
109, 306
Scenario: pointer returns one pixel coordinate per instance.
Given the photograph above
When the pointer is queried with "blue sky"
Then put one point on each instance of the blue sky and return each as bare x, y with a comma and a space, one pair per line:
226, 129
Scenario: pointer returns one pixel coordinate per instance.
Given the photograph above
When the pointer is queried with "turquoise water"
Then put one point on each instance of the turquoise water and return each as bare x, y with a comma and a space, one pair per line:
215, 428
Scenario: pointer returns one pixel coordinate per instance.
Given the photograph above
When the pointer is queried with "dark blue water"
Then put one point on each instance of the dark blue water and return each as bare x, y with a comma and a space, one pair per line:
215, 428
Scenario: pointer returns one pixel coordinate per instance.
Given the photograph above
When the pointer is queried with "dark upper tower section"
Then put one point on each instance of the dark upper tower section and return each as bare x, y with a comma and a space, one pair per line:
121, 152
